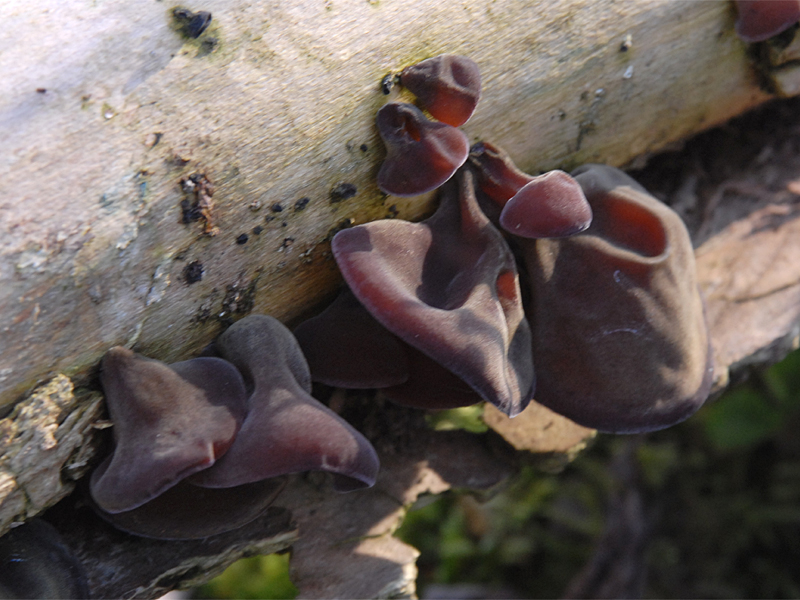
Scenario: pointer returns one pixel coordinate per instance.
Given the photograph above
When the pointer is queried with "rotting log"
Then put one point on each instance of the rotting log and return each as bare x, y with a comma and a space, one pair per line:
94, 253
104, 108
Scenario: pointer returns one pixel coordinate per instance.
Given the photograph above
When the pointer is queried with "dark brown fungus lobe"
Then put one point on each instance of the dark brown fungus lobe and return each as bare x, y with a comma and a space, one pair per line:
420, 154
448, 86
759, 20
619, 337
346, 347
36, 563
169, 422
550, 205
187, 511
286, 429
449, 288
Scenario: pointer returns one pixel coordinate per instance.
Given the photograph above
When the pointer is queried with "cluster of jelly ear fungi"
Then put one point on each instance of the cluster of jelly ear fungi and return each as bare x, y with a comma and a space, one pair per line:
200, 446
610, 331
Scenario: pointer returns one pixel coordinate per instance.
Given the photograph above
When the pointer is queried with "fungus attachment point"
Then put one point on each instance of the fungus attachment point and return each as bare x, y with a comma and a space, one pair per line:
448, 287
286, 429
448, 86
420, 154
759, 20
169, 422
620, 339
549, 206
346, 347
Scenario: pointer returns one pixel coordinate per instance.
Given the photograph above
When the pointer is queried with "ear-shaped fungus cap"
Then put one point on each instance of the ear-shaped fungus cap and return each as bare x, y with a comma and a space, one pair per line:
760, 20
448, 86
346, 347
550, 205
286, 430
448, 287
420, 154
169, 422
620, 339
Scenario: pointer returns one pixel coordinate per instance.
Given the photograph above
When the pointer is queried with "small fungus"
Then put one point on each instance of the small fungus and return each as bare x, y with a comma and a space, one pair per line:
192, 24
372, 357
549, 206
448, 287
342, 191
619, 333
420, 154
448, 86
759, 20
286, 429
169, 422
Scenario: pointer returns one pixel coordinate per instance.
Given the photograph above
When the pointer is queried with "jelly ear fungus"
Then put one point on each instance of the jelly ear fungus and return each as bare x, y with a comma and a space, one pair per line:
619, 333
447, 287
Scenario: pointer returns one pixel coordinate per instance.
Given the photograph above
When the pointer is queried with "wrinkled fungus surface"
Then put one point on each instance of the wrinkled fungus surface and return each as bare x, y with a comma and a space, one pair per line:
448, 86
286, 429
420, 154
448, 287
619, 333
759, 20
169, 422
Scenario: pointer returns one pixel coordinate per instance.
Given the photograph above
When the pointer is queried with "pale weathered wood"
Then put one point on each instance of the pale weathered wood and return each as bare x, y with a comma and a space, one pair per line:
103, 109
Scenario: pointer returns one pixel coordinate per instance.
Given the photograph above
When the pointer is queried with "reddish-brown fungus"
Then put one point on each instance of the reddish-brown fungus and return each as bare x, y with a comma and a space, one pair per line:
497, 175
448, 86
169, 422
420, 154
448, 287
346, 347
286, 429
550, 205
759, 20
619, 333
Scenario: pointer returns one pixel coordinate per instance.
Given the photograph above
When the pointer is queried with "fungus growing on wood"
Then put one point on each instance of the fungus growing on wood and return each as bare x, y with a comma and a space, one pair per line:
759, 20
448, 86
548, 205
420, 154
169, 422
449, 288
619, 333
286, 430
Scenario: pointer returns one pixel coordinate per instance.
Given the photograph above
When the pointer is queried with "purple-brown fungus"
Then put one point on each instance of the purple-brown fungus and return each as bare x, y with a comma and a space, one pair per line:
448, 86
549, 206
169, 421
286, 429
346, 347
420, 154
759, 20
619, 333
448, 287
